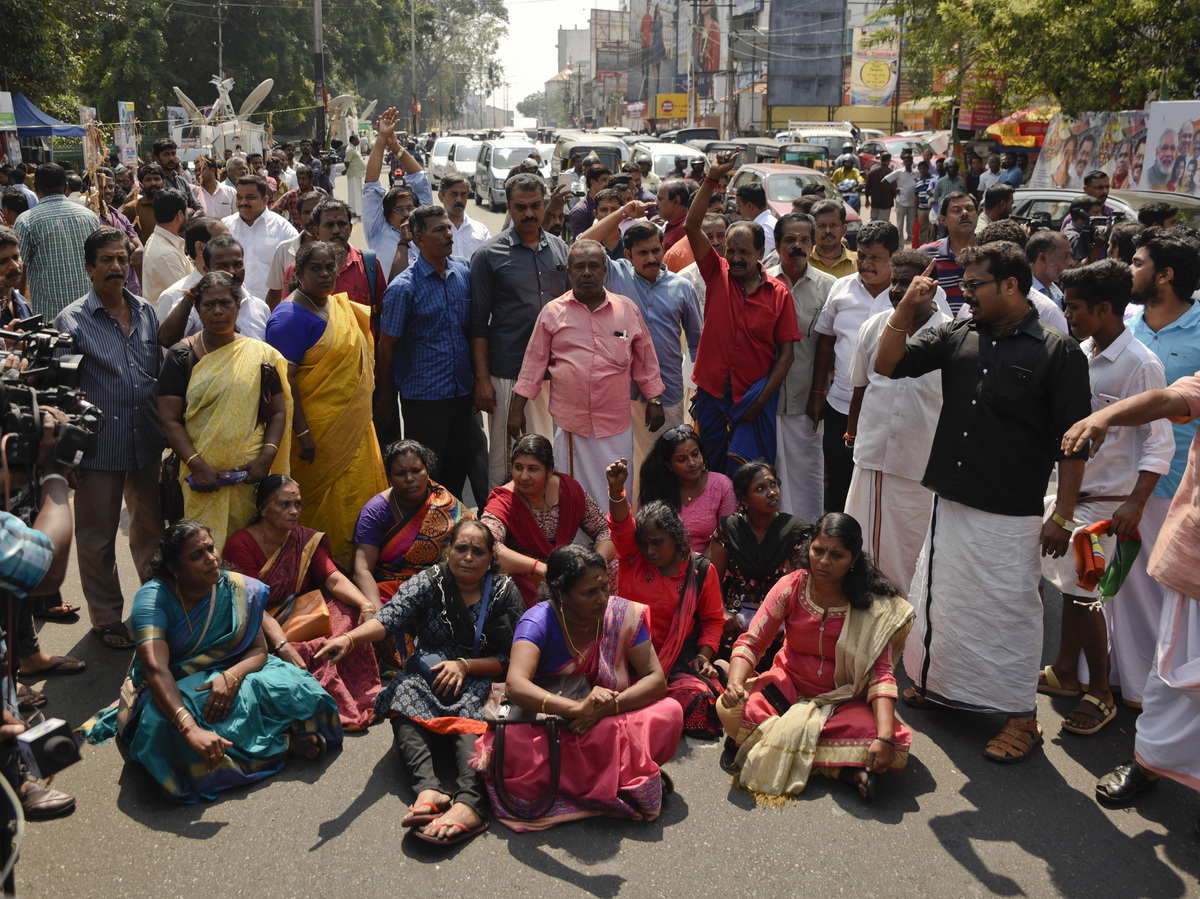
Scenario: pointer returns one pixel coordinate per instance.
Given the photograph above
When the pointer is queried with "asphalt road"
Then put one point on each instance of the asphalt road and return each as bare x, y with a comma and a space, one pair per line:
952, 824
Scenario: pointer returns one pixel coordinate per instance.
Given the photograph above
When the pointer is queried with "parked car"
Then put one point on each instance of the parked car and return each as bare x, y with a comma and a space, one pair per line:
611, 150
439, 157
1039, 202
784, 183
683, 135
831, 138
461, 158
870, 151
496, 158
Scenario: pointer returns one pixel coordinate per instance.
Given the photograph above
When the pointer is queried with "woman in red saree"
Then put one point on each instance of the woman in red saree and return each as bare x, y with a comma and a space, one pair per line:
616, 737
538, 511
687, 616
295, 562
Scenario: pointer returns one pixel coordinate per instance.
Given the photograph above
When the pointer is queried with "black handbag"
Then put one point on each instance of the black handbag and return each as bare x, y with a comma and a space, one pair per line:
569, 686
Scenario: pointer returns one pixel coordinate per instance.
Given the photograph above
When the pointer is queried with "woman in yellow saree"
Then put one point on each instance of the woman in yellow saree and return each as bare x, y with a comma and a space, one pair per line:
224, 404
326, 340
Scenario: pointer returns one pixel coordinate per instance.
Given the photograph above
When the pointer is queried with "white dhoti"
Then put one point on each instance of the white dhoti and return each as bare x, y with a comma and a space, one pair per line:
1133, 614
586, 459
1168, 730
537, 421
894, 515
976, 642
644, 438
800, 462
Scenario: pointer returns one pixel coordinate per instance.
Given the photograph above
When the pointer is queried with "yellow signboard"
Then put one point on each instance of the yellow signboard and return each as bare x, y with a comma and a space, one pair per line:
671, 106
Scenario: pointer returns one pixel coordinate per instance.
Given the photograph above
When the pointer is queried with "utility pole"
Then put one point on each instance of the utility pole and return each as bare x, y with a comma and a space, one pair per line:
220, 41
412, 35
319, 54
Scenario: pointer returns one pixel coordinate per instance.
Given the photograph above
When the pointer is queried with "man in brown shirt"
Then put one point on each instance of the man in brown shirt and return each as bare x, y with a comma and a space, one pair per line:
881, 195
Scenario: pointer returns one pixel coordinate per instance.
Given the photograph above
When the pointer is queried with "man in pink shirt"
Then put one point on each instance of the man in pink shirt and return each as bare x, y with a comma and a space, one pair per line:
593, 343
1168, 730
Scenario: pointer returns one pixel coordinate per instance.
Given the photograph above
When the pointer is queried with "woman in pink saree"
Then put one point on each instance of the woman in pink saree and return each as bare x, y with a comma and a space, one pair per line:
616, 738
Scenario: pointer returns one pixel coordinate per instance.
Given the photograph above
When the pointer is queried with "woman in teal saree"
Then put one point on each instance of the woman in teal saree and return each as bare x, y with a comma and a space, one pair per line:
205, 709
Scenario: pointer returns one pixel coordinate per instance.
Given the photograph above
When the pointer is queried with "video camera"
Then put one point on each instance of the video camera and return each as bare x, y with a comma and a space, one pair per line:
1102, 225
45, 374
1034, 222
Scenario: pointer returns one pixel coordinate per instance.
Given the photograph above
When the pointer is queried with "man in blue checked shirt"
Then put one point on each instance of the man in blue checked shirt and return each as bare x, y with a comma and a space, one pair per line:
423, 342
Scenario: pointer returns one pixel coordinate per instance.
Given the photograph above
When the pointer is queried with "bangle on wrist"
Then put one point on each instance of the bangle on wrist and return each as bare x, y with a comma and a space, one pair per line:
849, 436
274, 446
887, 740
188, 460
353, 642
466, 665
52, 477
545, 699
1065, 523
616, 499
822, 392
617, 703
894, 328
275, 648
302, 433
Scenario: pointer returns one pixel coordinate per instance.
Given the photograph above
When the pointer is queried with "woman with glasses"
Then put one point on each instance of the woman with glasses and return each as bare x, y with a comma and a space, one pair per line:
676, 473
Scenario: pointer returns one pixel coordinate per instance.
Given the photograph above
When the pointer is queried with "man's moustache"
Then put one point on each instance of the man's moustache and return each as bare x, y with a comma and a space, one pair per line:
114, 277
797, 253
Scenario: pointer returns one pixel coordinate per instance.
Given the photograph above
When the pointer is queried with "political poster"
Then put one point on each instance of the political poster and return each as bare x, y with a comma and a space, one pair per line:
93, 148
702, 43
1111, 142
873, 70
127, 141
8, 118
1171, 151
652, 47
10, 144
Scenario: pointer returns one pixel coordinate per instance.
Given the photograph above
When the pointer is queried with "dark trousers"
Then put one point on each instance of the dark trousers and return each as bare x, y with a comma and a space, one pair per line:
26, 638
839, 461
417, 747
445, 427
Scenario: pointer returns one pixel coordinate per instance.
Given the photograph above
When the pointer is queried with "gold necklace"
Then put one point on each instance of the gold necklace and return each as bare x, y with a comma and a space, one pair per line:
567, 633
187, 616
699, 490
319, 310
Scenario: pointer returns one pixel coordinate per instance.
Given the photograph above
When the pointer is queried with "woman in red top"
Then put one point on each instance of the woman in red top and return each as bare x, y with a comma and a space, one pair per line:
657, 568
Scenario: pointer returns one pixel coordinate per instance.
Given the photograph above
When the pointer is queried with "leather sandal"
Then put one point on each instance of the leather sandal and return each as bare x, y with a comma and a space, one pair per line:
1092, 708
1014, 742
915, 699
1049, 684
1121, 785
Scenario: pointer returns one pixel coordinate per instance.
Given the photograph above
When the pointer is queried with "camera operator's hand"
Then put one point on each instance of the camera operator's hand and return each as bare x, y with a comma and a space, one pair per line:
11, 727
51, 419
204, 476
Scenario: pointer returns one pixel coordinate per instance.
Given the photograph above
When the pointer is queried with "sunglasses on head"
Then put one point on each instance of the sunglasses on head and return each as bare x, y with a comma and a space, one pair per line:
681, 432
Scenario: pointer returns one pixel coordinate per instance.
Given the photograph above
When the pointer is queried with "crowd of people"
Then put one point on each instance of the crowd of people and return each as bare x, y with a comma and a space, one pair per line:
725, 494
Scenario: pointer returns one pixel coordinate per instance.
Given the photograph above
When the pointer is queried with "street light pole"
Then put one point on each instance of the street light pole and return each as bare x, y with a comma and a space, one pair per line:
319, 54
412, 34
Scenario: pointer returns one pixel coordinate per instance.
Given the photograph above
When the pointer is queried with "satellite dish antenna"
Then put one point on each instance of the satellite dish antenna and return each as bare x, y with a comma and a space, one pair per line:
367, 112
254, 100
341, 105
223, 108
189, 107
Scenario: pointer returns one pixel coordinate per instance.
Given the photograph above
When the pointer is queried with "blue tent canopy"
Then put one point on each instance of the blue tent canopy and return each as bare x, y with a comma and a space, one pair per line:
32, 122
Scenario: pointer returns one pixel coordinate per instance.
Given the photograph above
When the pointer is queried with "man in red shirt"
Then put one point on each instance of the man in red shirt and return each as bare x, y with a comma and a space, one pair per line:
746, 345
331, 218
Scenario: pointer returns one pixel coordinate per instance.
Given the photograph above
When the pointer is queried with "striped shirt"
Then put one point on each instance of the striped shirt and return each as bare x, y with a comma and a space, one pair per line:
949, 272
120, 376
52, 236
25, 555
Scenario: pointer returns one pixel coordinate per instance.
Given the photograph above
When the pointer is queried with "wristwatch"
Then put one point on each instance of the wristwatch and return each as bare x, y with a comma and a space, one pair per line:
657, 401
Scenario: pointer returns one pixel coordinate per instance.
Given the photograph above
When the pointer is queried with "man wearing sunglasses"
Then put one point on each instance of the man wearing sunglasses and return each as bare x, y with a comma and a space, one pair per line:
1011, 387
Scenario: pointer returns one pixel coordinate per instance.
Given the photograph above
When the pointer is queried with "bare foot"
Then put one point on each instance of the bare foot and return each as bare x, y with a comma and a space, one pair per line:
305, 746
459, 812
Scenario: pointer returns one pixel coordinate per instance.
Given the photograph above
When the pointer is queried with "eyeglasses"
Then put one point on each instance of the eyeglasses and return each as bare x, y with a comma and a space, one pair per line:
683, 431
972, 286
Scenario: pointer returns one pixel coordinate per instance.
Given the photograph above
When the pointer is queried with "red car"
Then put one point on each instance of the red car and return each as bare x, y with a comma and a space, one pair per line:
783, 183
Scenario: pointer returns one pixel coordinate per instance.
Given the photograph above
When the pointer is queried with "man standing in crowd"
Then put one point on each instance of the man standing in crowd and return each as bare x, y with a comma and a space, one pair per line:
1010, 386
975, 171
140, 210
831, 255
752, 207
925, 217
513, 276
1117, 483
13, 305
881, 194
674, 199
385, 215
958, 219
423, 349
12, 203
359, 274
714, 228
1049, 255
1080, 231
798, 455
584, 212
220, 254
258, 230
165, 260
313, 162
217, 200
469, 235
285, 253
1013, 176
356, 167
288, 204
997, 206
947, 183
890, 433
746, 345
166, 154
904, 180
851, 301
52, 239
117, 335
112, 217
593, 343
235, 168
992, 175
668, 305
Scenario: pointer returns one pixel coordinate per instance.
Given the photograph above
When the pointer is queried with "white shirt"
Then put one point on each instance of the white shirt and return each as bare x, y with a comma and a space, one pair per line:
1046, 309
897, 419
692, 273
848, 306
289, 178
767, 221
469, 237
1125, 368
285, 255
987, 179
252, 316
163, 263
220, 203
906, 186
259, 241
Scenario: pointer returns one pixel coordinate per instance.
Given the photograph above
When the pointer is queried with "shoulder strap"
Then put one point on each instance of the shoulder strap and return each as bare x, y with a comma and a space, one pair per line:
371, 261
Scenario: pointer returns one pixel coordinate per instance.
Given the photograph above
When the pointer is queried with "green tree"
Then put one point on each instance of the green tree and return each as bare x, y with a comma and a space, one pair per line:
534, 106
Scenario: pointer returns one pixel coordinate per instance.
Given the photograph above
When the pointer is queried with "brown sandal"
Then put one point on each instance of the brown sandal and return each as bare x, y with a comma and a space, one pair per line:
1014, 742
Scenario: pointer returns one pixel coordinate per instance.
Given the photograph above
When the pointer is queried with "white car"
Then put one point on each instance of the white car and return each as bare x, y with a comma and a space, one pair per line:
439, 157
662, 159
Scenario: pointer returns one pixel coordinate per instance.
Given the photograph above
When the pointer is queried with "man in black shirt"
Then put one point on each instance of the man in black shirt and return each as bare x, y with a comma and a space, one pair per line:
1011, 386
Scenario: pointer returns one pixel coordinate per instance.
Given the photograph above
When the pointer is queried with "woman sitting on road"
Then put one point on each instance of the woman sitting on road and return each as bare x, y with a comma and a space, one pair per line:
616, 737
681, 591
676, 473
311, 599
205, 708
536, 512
828, 701
463, 614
